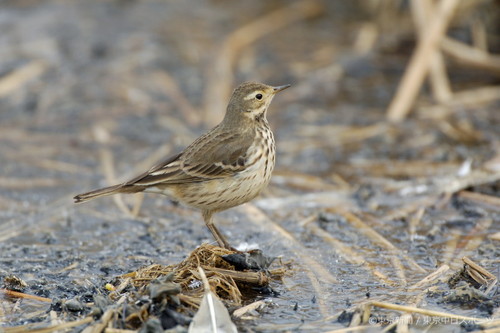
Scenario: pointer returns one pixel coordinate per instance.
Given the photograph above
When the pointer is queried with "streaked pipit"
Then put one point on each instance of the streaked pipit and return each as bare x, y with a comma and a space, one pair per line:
223, 168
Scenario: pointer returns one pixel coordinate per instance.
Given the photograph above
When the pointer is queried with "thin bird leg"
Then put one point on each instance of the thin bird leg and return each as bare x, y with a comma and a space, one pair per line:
207, 216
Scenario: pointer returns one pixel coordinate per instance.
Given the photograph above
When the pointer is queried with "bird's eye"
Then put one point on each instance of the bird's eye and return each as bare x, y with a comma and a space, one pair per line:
258, 96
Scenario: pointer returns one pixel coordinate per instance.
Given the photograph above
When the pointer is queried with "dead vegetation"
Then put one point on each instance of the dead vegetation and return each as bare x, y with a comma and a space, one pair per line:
389, 217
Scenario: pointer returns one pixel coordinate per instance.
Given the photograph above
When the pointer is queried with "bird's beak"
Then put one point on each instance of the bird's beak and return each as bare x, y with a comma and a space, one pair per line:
280, 88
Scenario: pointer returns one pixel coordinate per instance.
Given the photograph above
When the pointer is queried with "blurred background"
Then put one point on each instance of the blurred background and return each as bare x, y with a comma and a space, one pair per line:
94, 92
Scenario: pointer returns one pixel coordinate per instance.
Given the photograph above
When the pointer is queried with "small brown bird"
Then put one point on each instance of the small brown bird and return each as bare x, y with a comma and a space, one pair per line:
223, 168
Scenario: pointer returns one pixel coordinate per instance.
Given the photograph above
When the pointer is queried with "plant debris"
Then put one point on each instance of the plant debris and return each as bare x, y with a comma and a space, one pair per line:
384, 203
169, 295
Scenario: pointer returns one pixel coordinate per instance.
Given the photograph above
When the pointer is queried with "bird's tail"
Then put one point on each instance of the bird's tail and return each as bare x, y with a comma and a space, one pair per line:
99, 193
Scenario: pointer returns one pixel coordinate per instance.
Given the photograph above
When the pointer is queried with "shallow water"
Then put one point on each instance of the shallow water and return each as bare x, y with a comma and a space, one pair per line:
98, 101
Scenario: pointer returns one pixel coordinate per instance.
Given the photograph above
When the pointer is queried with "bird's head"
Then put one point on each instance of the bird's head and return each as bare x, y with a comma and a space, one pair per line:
250, 100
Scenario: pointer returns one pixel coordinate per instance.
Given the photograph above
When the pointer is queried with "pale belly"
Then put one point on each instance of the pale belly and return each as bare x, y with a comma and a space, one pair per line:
221, 194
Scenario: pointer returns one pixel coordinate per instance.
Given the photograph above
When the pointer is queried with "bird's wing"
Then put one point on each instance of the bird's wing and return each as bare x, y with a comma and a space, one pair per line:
211, 156
168, 167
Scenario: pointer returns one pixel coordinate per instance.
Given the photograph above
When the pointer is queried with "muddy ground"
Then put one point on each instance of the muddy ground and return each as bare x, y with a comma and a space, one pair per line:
359, 209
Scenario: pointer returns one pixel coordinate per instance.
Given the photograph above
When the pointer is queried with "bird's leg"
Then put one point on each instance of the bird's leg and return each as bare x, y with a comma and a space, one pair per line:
207, 216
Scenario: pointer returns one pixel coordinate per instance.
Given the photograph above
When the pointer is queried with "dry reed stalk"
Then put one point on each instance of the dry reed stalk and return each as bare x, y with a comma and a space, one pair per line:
153, 158
366, 38
471, 56
107, 163
376, 238
24, 137
12, 183
222, 285
469, 99
261, 219
400, 271
484, 200
402, 324
461, 131
138, 200
31, 329
314, 136
448, 252
410, 208
221, 76
168, 85
349, 254
103, 322
17, 294
419, 63
361, 315
301, 181
494, 322
309, 200
53, 318
68, 268
123, 284
193, 302
310, 266
32, 158
431, 313
414, 222
429, 279
480, 275
256, 278
479, 34
35, 315
17, 78
422, 11
321, 295
471, 241
240, 312
455, 183
397, 168
59, 166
